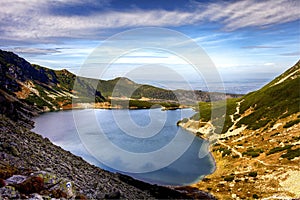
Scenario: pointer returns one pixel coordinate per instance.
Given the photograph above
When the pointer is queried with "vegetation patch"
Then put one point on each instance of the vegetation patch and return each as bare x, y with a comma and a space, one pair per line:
31, 185
215, 111
291, 123
277, 133
253, 174
291, 154
264, 104
229, 178
278, 149
252, 152
296, 138
224, 151
7, 171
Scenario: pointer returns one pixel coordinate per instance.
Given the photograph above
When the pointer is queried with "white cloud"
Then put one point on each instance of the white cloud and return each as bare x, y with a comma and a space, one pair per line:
150, 57
33, 51
32, 20
252, 13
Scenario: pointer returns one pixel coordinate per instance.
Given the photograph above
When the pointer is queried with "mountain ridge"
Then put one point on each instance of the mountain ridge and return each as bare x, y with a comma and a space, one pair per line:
257, 150
50, 90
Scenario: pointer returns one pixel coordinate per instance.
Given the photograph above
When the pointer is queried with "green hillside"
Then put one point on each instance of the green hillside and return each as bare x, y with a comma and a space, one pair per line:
278, 99
258, 153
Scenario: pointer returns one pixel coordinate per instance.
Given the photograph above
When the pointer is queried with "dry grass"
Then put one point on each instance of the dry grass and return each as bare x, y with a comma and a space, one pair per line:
275, 175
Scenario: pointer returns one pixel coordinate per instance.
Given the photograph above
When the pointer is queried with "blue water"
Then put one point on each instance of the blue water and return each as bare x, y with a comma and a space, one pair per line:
145, 144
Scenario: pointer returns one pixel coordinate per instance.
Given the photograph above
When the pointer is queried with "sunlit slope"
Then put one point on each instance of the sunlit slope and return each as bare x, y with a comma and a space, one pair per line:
262, 108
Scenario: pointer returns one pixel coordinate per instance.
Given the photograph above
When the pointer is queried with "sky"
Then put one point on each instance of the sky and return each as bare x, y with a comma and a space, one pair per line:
249, 41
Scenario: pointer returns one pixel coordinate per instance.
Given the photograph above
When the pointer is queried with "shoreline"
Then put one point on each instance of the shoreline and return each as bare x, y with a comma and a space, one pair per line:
241, 176
108, 106
195, 193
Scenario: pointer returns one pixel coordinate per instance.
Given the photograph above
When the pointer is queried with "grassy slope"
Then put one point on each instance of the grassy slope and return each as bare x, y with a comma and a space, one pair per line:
269, 104
261, 161
273, 101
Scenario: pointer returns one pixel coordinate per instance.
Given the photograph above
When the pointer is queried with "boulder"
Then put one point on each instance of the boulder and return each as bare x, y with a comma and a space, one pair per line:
15, 179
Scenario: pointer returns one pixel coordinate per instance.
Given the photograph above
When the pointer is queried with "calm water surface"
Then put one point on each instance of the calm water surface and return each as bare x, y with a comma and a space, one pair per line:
145, 144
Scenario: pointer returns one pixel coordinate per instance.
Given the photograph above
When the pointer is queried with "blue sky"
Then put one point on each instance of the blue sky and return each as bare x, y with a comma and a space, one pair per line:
246, 39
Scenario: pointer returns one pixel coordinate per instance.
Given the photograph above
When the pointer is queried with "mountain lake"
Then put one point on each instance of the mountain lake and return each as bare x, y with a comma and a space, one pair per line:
145, 143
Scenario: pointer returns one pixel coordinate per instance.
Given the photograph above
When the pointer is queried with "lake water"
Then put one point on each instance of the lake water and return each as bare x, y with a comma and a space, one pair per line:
145, 144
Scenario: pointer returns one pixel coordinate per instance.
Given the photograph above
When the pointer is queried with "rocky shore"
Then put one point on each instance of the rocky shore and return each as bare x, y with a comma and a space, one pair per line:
26, 154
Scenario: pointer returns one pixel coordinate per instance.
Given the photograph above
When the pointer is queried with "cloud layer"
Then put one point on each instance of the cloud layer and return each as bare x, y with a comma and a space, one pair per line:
37, 20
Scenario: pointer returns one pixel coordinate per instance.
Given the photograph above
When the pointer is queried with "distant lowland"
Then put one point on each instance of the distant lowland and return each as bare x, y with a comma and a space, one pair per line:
255, 138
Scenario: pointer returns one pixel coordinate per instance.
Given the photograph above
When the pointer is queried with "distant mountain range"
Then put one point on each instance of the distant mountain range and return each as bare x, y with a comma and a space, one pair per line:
49, 89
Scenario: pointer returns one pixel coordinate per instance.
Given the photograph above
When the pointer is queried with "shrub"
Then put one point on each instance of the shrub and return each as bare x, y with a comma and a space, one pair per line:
252, 152
255, 196
296, 138
277, 133
291, 123
31, 185
253, 174
229, 178
226, 152
291, 154
278, 149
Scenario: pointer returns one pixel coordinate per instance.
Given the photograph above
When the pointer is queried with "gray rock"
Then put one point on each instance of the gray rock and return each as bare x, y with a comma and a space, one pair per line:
15, 179
35, 196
